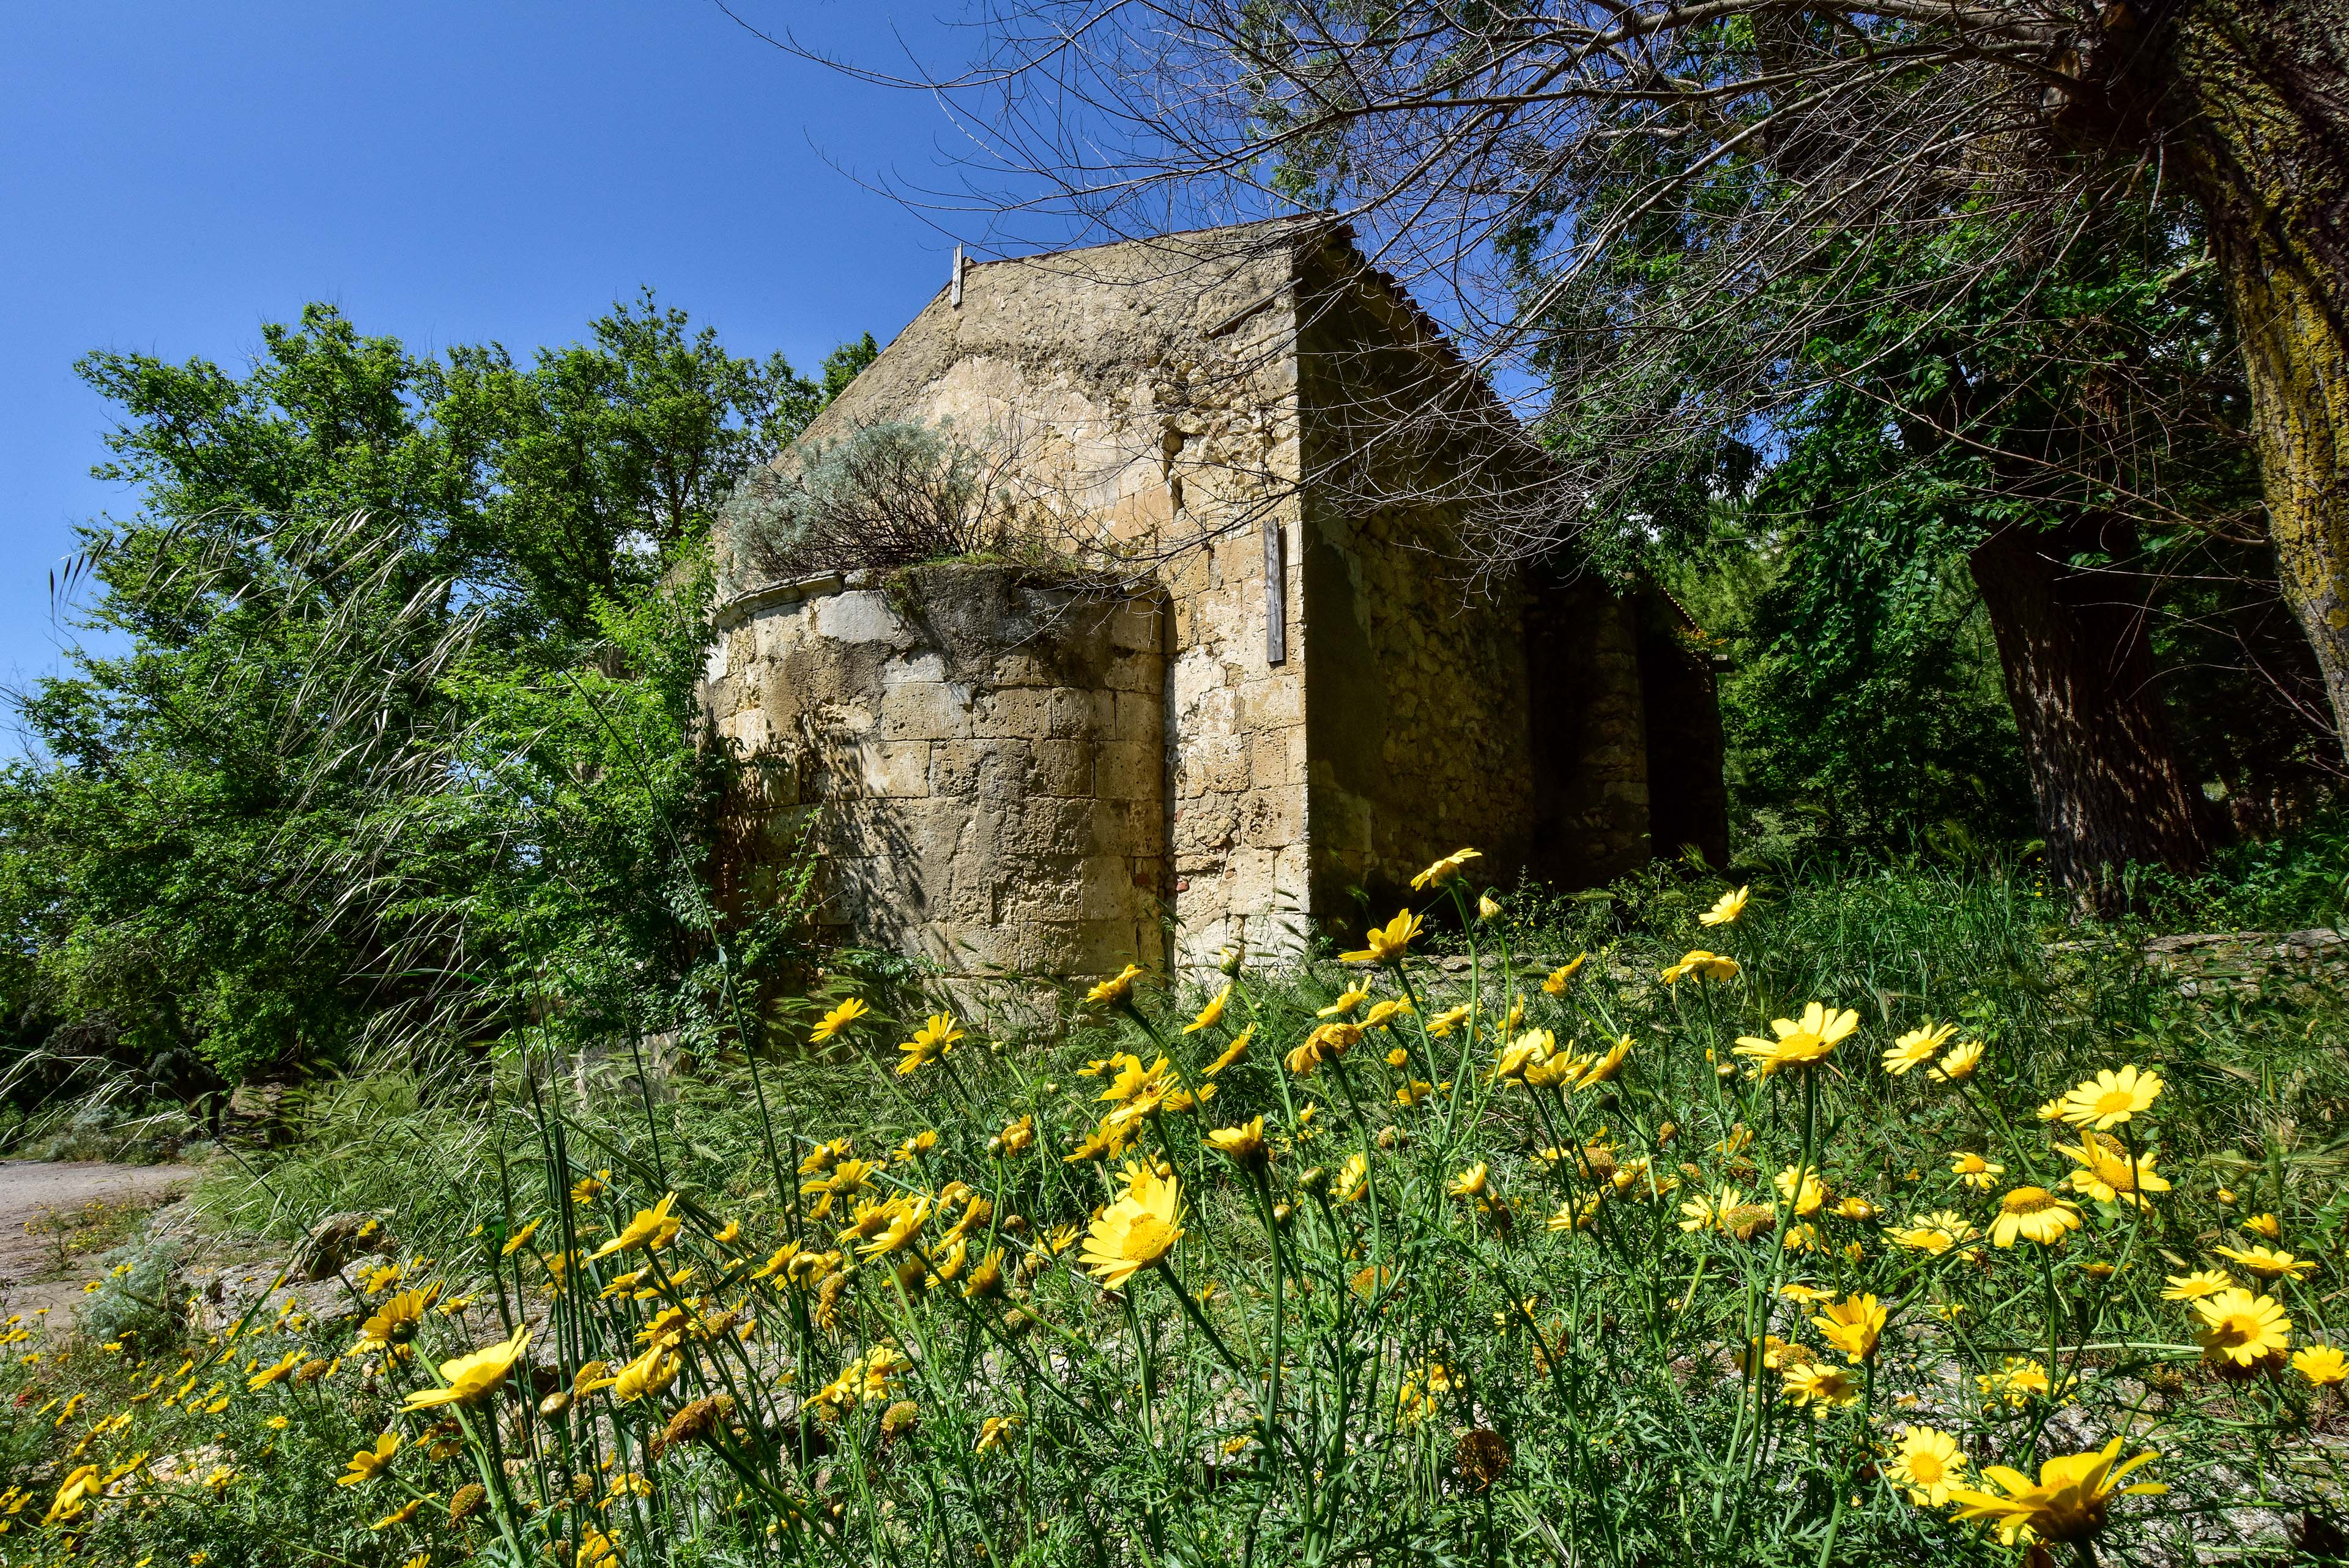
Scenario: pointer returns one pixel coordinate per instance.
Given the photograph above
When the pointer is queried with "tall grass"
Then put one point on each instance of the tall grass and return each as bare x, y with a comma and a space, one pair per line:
1497, 1298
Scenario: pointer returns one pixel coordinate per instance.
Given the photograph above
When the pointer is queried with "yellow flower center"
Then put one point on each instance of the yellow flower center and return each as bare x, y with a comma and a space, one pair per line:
1926, 1468
2025, 1201
2235, 1328
2113, 1102
1149, 1238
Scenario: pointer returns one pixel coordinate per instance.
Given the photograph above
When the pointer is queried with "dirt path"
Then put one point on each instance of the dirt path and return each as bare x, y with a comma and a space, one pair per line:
34, 1192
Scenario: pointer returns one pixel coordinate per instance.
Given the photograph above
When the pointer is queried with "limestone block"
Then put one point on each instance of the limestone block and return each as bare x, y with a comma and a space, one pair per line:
1108, 890
1134, 673
1139, 717
775, 778
1047, 826
771, 635
1023, 711
856, 616
914, 667
1198, 944
1274, 817
788, 825
1064, 768
846, 720
841, 891
1135, 628
956, 948
1045, 946
1277, 758
1105, 946
1204, 830
1020, 667
1273, 704
895, 768
1218, 765
1128, 769
1248, 881
715, 667
1151, 882
1128, 828
1069, 713
843, 835
1199, 689
924, 711
1186, 630
998, 769
831, 774
1056, 888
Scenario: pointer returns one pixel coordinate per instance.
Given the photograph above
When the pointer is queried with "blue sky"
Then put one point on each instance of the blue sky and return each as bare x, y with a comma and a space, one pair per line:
175, 174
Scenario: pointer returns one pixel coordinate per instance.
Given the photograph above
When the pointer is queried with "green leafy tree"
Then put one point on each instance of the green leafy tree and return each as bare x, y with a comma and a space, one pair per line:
388, 729
2003, 490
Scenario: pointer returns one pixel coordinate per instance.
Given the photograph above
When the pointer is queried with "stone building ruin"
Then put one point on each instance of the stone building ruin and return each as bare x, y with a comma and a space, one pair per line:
1279, 704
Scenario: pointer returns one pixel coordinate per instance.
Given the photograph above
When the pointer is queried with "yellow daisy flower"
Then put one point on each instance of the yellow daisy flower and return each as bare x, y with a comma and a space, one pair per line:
472, 1379
2068, 1503
1917, 1047
1387, 943
1231, 1053
1928, 1466
2195, 1286
1118, 987
1975, 1171
1852, 1325
2034, 1214
2111, 1098
1210, 1014
1800, 1043
2268, 1263
2241, 1327
1445, 870
1958, 1065
838, 1019
1135, 1231
1726, 908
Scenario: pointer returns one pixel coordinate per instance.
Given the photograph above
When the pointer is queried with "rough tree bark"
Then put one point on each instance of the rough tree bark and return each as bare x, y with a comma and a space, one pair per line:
2259, 99
2080, 677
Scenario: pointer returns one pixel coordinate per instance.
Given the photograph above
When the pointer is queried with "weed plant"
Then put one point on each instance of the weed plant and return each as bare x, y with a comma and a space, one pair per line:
1769, 1240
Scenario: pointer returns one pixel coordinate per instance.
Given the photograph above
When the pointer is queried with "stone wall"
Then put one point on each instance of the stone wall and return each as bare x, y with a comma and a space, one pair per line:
1148, 392
971, 754
1417, 688
1588, 717
1237, 418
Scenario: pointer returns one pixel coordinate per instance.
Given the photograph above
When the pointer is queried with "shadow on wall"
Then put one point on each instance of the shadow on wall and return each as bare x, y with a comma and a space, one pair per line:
1626, 734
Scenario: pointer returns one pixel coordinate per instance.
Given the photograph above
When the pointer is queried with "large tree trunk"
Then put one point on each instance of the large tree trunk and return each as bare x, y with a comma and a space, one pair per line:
2079, 674
2262, 112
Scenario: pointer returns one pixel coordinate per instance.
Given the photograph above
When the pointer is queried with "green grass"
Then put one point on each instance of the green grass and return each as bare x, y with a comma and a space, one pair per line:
1603, 1361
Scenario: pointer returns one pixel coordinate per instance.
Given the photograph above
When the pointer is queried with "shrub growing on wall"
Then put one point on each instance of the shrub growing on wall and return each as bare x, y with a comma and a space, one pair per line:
891, 493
